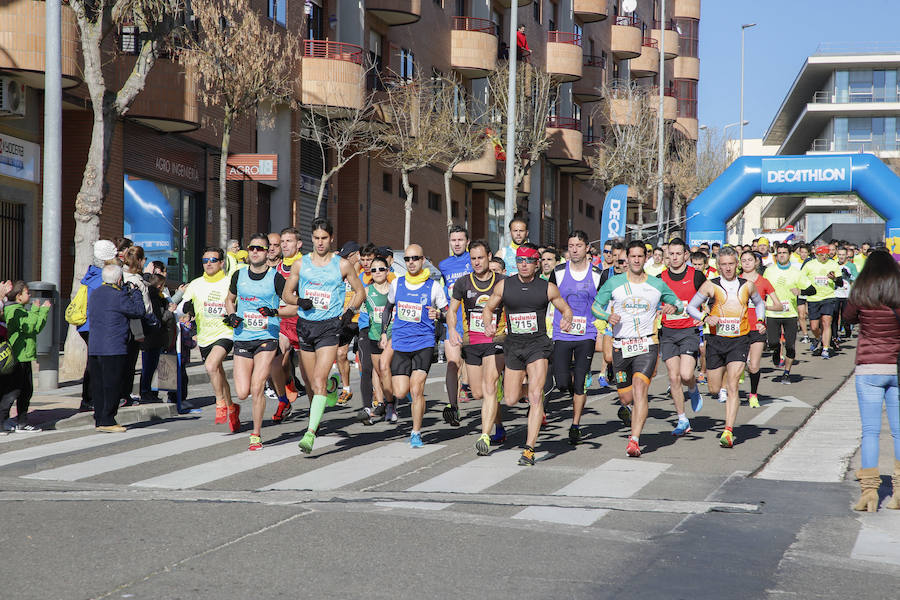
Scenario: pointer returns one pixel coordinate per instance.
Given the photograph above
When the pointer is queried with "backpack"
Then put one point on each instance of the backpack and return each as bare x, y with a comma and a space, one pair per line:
76, 312
8, 360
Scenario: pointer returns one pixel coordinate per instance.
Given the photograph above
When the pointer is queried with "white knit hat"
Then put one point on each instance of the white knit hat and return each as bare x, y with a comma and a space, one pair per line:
104, 250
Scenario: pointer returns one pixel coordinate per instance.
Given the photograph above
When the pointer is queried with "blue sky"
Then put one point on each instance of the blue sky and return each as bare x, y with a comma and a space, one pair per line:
787, 32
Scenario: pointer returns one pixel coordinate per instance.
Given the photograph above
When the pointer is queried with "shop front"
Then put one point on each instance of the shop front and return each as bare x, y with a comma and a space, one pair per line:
20, 178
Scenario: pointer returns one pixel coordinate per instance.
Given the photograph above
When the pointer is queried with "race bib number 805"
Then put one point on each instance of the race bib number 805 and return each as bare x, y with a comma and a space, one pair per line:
635, 346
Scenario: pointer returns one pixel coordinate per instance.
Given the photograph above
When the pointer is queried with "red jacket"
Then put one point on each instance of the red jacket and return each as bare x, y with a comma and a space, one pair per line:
879, 334
522, 42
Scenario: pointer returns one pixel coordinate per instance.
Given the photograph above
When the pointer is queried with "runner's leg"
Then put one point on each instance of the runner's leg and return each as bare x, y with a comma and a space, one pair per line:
365, 368
732, 374
453, 355
675, 372
753, 360
640, 383
261, 366
217, 376
417, 391
537, 374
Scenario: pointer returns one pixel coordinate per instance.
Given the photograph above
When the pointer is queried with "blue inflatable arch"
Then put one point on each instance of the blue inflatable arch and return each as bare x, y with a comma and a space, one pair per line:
863, 174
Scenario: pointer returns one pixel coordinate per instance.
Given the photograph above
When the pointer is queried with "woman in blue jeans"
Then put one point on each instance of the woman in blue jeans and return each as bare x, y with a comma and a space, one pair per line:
874, 303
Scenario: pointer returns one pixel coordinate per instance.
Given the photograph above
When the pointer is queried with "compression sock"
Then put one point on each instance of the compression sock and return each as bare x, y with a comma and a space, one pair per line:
754, 382
316, 408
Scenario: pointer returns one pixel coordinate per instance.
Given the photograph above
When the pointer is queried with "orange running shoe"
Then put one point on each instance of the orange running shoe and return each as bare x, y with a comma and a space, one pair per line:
282, 412
291, 391
633, 449
221, 414
344, 398
234, 418
255, 442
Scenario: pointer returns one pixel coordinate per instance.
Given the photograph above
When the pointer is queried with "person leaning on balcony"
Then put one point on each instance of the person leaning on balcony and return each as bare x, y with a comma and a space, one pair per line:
522, 49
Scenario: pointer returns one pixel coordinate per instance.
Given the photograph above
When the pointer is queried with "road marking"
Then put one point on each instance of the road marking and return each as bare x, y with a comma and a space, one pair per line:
230, 465
21, 437
354, 469
476, 475
774, 407
73, 445
616, 478
114, 462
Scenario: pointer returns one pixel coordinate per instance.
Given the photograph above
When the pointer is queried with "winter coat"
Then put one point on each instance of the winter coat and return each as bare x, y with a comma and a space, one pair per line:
879, 334
110, 308
92, 279
23, 325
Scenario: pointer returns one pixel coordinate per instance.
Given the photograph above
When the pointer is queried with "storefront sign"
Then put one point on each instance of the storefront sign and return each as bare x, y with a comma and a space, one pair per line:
20, 159
255, 167
177, 169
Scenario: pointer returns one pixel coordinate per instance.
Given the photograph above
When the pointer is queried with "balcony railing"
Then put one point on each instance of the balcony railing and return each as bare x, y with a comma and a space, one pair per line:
667, 91
826, 145
564, 37
628, 21
474, 24
594, 61
848, 97
650, 43
564, 123
333, 50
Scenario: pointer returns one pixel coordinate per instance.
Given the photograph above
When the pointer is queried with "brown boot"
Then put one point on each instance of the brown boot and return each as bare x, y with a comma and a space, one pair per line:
869, 481
894, 502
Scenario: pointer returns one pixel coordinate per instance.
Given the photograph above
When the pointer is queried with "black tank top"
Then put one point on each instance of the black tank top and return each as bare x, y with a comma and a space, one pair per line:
526, 307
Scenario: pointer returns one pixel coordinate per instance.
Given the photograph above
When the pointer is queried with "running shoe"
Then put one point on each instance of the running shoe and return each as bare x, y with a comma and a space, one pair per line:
483, 445
633, 449
781, 364
723, 396
234, 418
344, 397
527, 458
727, 439
602, 382
282, 412
290, 390
499, 435
255, 443
817, 351
465, 394
221, 414
306, 444
701, 378
9, 426
753, 400
26, 428
365, 416
415, 440
625, 415
390, 413
270, 393
683, 427
378, 409
786, 378
451, 415
588, 380
574, 435
696, 400
804, 339
813, 344
825, 354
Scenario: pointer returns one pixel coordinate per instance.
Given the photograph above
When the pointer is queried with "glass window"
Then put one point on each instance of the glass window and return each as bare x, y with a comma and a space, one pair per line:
434, 201
407, 64
686, 94
589, 210
315, 25
387, 182
495, 221
861, 86
842, 86
277, 11
859, 129
688, 34
537, 11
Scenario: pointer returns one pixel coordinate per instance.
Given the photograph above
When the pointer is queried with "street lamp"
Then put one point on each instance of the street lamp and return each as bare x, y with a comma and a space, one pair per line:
744, 28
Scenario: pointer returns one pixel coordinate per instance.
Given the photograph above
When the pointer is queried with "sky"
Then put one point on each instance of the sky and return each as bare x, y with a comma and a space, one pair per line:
787, 32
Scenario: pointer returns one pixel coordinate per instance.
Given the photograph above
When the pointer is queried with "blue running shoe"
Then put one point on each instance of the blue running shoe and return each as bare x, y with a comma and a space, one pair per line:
696, 400
683, 427
415, 440
602, 382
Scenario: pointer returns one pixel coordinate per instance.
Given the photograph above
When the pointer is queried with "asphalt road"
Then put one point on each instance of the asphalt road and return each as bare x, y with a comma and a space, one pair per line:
179, 509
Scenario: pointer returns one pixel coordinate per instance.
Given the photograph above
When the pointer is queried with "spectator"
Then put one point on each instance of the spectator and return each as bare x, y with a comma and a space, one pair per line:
122, 244
105, 253
522, 49
23, 324
133, 261
873, 303
156, 339
157, 267
235, 256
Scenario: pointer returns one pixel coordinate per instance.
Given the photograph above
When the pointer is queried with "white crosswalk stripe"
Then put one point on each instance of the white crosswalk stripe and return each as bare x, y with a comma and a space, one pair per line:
114, 462
231, 465
21, 437
72, 445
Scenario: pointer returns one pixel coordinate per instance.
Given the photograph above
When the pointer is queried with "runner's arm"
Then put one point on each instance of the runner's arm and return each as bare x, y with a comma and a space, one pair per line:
601, 301
758, 303
693, 308
454, 336
492, 304
359, 291
289, 293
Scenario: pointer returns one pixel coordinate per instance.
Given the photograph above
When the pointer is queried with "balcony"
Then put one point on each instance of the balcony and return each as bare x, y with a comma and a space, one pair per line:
689, 127
623, 106
332, 76
687, 8
508, 3
564, 58
671, 38
565, 141
22, 42
647, 64
473, 46
590, 87
483, 168
395, 12
670, 102
687, 67
590, 11
626, 37
168, 101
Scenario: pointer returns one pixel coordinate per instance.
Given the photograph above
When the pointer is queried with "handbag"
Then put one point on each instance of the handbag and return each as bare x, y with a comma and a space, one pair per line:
166, 375
894, 312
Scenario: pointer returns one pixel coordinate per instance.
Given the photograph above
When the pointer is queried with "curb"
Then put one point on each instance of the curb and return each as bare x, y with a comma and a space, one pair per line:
128, 415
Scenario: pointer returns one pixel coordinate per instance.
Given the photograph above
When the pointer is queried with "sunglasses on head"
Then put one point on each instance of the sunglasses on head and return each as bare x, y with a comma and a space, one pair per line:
257, 248
526, 259
412, 258
209, 260
379, 269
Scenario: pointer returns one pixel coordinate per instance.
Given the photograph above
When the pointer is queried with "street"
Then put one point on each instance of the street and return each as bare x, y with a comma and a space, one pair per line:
179, 509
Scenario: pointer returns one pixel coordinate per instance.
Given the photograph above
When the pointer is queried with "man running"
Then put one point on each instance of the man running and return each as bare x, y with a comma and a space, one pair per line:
728, 344
578, 282
635, 298
205, 298
483, 354
283, 370
525, 298
350, 253
679, 340
252, 310
518, 233
657, 265
414, 296
316, 286
370, 318
789, 282
452, 268
823, 273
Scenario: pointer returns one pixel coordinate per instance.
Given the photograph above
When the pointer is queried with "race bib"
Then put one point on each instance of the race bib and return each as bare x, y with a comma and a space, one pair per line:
579, 326
321, 299
729, 326
379, 313
410, 312
785, 306
523, 323
253, 321
635, 346
476, 322
821, 280
214, 309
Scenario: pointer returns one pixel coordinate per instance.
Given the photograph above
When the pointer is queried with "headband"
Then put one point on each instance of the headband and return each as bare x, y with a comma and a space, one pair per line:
527, 252
823, 250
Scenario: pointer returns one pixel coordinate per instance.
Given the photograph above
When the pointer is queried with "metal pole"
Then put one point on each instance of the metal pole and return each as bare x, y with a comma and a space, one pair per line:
741, 120
51, 224
509, 204
661, 154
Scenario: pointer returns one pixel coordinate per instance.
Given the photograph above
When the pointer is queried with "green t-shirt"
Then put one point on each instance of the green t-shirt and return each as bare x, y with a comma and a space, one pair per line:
817, 273
783, 279
374, 307
859, 260
208, 298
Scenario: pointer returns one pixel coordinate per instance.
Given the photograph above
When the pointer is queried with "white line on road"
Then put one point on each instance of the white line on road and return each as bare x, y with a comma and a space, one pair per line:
73, 445
774, 407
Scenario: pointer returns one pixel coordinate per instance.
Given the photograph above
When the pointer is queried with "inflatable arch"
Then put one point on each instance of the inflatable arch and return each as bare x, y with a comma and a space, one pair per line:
863, 174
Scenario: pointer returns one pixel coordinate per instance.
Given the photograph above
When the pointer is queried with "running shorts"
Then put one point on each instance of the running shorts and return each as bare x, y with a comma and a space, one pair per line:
756, 336
675, 342
318, 334
723, 350
373, 345
474, 354
289, 330
820, 309
520, 354
641, 366
249, 349
222, 343
404, 363
801, 301
347, 334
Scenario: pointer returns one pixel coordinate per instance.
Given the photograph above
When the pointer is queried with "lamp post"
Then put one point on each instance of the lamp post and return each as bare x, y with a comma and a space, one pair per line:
744, 28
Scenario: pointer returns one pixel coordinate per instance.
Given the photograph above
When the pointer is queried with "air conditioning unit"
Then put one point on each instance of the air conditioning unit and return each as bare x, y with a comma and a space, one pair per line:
12, 97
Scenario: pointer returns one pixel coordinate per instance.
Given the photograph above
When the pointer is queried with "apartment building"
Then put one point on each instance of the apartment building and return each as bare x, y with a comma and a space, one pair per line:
844, 99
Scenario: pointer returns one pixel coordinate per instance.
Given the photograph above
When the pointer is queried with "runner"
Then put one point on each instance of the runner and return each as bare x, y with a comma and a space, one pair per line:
765, 258
283, 369
750, 268
350, 253
823, 273
483, 354
635, 298
204, 298
414, 295
364, 349
251, 308
679, 339
525, 297
727, 344
578, 282
316, 286
518, 232
370, 349
452, 268
789, 282
657, 265
841, 293
275, 385
803, 257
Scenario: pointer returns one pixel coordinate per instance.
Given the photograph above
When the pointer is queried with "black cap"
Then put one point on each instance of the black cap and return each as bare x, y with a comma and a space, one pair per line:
383, 251
348, 249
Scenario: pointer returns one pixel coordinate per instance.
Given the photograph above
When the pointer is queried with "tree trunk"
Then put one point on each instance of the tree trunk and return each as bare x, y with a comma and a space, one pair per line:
322, 183
407, 207
448, 175
223, 173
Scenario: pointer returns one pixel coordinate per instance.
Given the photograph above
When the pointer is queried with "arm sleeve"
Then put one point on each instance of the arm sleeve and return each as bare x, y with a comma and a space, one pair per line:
438, 297
760, 306
279, 284
699, 279
693, 308
601, 301
808, 291
232, 287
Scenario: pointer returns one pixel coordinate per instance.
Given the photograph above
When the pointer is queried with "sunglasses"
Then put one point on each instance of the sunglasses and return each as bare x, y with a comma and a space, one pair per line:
257, 248
607, 251
620, 262
526, 259
412, 258
379, 269
209, 260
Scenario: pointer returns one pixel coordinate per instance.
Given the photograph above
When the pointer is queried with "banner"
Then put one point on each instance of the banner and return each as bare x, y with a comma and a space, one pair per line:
806, 175
255, 167
612, 224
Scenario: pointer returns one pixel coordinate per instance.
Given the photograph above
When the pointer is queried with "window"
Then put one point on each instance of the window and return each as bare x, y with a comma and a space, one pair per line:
859, 129
387, 182
373, 76
861, 86
686, 94
434, 201
688, 35
537, 11
315, 25
554, 16
454, 209
407, 64
460, 8
580, 206
277, 11
589, 210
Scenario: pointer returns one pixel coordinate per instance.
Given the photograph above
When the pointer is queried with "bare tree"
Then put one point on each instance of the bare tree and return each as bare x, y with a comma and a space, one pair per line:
156, 23
693, 167
240, 64
412, 136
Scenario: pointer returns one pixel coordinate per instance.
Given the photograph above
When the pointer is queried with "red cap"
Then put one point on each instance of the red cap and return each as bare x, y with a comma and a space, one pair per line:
527, 252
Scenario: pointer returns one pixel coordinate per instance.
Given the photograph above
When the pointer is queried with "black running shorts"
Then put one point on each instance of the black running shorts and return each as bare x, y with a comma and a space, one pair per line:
318, 334
723, 350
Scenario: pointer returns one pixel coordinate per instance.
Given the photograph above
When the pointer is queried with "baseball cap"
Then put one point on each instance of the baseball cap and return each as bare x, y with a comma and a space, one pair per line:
763, 240
348, 249
383, 251
104, 250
